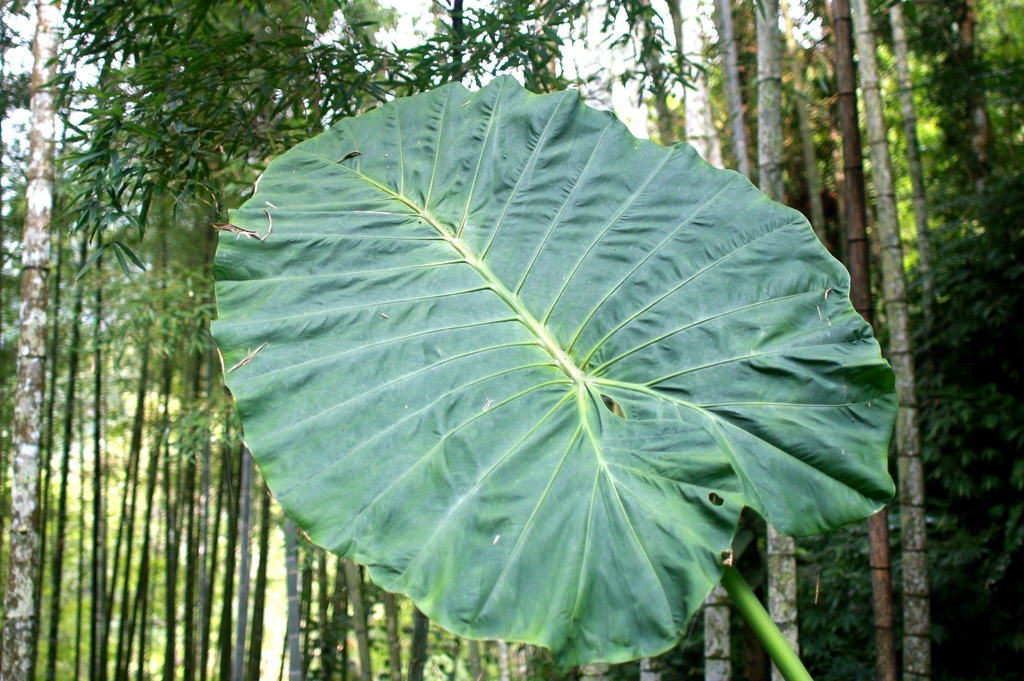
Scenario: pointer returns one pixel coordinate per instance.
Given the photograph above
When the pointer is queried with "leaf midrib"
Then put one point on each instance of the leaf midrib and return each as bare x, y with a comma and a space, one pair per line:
536, 328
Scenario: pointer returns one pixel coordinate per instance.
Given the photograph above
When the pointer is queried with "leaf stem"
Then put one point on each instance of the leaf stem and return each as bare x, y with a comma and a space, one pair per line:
785, 658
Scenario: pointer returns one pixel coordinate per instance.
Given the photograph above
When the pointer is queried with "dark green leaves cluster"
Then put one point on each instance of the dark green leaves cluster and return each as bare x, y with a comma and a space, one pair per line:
193, 97
189, 94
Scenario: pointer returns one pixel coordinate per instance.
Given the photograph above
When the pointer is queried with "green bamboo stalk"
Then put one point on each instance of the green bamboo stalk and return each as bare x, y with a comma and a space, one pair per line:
785, 659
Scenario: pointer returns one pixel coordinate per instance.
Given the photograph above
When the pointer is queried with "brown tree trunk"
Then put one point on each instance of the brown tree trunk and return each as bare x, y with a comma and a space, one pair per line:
860, 294
259, 600
339, 618
916, 590
979, 126
418, 652
191, 567
328, 641
394, 644
354, 582
306, 617
19, 624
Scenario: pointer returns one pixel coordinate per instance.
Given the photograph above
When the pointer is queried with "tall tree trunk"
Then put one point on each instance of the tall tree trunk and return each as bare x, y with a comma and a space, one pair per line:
339, 618
804, 122
23, 569
856, 251
916, 591
126, 528
328, 639
924, 242
353, 579
503, 665
853, 162
224, 635
476, 669
205, 594
700, 122
731, 76
418, 651
306, 616
979, 126
781, 549
53, 362
856, 258
191, 567
135, 456
596, 671
171, 570
717, 643
244, 532
57, 572
652, 668
259, 600
139, 606
394, 643
98, 651
292, 559
769, 100
3, 337
782, 602
204, 647
82, 522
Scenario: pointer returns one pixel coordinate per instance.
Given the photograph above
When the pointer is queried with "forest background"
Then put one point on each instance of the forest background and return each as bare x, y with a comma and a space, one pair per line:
160, 554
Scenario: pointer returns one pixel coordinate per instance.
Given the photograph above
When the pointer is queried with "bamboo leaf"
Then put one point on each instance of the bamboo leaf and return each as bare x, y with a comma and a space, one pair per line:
91, 261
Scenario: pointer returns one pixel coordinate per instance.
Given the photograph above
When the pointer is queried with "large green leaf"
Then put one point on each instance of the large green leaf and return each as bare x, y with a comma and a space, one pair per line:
529, 369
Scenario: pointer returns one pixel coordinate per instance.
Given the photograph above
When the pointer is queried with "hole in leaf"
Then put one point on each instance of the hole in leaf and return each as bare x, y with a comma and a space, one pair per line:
613, 406
715, 499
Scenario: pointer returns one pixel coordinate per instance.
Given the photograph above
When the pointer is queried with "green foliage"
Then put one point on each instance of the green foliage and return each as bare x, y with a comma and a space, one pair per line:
835, 604
257, 79
517, 36
973, 413
529, 369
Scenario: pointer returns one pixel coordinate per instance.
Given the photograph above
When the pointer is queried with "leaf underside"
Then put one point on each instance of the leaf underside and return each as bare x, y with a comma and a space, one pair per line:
529, 369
